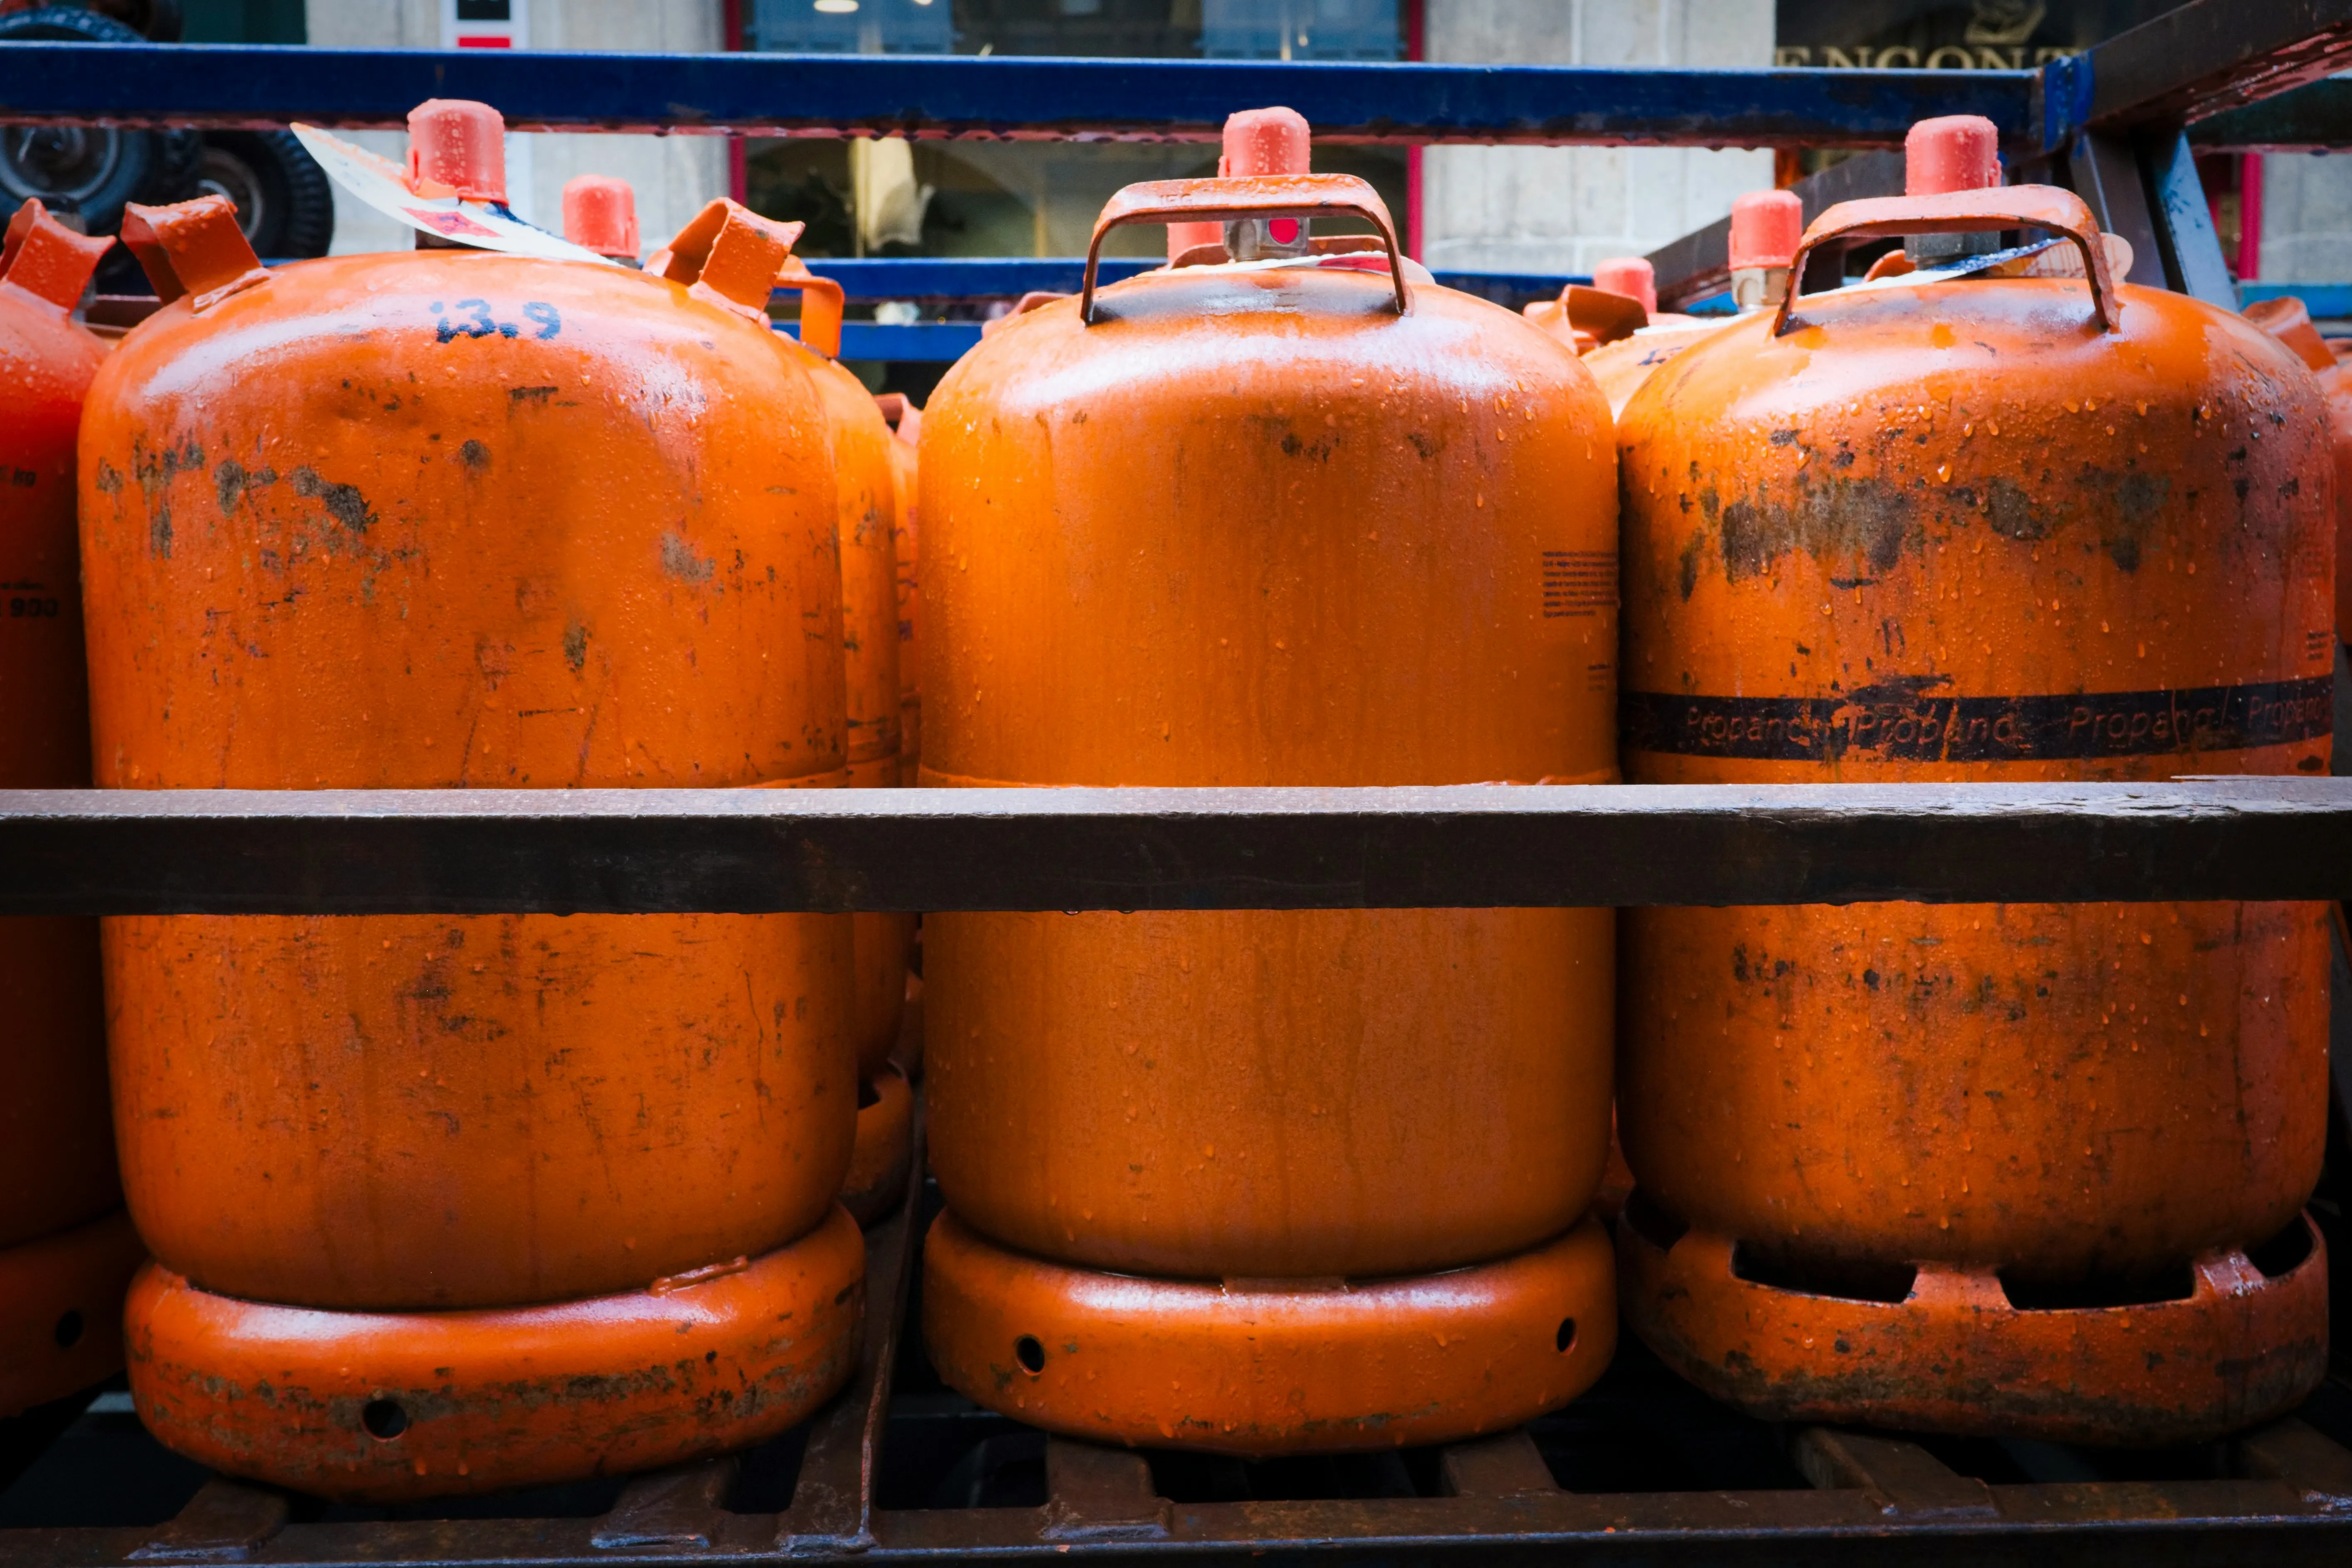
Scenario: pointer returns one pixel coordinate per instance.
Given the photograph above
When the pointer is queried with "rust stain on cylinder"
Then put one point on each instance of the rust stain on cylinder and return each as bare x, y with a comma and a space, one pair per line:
439, 519
1954, 532
1260, 529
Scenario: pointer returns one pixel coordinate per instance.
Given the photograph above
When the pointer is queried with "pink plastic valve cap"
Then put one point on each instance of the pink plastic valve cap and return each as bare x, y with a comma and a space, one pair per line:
460, 143
1630, 276
1266, 141
600, 214
1766, 226
1954, 153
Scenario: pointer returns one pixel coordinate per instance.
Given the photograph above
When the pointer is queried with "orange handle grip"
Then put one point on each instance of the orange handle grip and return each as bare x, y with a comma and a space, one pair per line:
726, 255
193, 248
1257, 196
821, 305
46, 259
1964, 212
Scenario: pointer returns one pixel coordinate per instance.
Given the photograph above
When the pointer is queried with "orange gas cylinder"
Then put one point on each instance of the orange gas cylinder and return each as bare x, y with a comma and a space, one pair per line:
1764, 230
1313, 524
430, 521
2287, 320
866, 510
1623, 300
1585, 318
867, 478
600, 214
906, 422
65, 1252
2032, 1169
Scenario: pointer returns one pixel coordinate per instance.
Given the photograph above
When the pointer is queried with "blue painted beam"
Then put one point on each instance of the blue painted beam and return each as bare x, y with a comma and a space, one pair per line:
945, 96
2312, 119
932, 342
1009, 276
967, 276
2325, 302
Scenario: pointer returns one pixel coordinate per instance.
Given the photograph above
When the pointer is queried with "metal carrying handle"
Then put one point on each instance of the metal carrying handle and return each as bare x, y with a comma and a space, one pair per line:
194, 248
1964, 212
823, 304
1256, 195
727, 256
47, 261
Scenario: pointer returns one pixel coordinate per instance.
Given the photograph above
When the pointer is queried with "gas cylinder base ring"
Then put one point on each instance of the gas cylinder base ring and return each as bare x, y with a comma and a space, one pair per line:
1263, 1367
61, 1310
886, 1144
396, 1405
1953, 1352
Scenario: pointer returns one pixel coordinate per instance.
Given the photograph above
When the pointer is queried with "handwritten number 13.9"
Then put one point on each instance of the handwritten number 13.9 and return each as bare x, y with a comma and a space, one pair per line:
475, 320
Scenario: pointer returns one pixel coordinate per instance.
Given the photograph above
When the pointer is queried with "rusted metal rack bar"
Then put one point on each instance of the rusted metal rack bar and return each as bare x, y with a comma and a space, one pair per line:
1479, 845
1643, 1470
912, 1473
2117, 124
971, 1485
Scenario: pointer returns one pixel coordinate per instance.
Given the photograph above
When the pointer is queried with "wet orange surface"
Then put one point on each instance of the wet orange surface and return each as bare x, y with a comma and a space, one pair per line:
1959, 532
438, 520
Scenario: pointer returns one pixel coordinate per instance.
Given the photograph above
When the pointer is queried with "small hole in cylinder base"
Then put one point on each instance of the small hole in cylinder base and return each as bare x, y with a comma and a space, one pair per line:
1567, 1335
1029, 1354
384, 1418
68, 1330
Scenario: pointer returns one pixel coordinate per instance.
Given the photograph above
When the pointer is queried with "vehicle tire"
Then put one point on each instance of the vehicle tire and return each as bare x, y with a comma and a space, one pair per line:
283, 201
157, 21
89, 171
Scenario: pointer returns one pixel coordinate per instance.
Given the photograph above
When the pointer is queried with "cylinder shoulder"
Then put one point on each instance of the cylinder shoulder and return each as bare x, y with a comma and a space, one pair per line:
450, 312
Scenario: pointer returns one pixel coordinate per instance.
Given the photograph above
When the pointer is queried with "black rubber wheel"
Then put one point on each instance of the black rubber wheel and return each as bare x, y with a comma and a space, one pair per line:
157, 21
283, 201
85, 170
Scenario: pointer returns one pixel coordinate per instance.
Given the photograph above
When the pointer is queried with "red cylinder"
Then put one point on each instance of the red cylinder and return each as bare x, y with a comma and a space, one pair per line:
2030, 1169
57, 1148
425, 520
600, 214
1631, 276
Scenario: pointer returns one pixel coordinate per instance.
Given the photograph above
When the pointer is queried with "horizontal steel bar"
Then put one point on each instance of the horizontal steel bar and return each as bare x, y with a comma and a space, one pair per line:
2157, 1523
2196, 60
577, 851
2324, 301
1699, 264
260, 85
1009, 276
2316, 118
968, 277
931, 341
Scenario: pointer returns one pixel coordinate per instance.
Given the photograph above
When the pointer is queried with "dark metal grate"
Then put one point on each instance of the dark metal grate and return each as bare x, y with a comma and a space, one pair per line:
1644, 1468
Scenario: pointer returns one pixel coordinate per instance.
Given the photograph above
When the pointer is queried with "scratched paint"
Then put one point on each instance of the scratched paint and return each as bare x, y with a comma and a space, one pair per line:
1259, 529
1956, 531
866, 524
57, 1149
449, 518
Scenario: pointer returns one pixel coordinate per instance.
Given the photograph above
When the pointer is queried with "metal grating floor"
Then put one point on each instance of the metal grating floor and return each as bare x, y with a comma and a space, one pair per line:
1642, 1470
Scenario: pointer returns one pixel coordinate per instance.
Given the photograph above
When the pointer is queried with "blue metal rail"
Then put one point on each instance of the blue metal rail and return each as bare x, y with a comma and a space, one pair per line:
2325, 302
2206, 59
1009, 276
930, 343
967, 276
1186, 101
1005, 276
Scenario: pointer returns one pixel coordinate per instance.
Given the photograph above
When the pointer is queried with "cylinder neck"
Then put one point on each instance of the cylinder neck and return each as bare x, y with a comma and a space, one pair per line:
1266, 141
1758, 287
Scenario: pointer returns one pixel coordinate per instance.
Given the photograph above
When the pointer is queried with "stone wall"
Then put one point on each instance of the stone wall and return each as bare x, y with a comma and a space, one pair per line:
2307, 218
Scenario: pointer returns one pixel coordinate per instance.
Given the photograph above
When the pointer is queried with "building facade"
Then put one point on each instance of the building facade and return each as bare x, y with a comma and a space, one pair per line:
1529, 209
